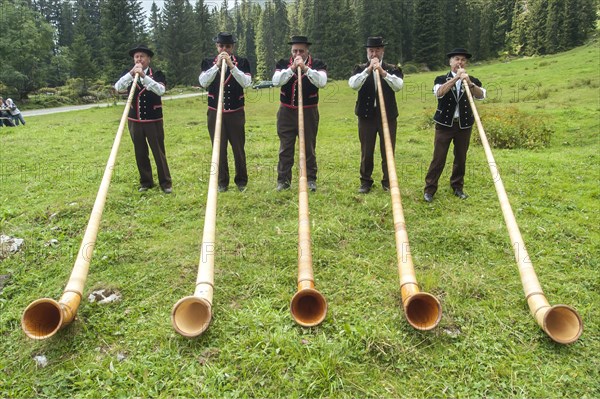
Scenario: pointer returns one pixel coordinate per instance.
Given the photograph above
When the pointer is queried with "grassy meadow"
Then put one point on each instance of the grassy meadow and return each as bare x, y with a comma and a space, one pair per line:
487, 343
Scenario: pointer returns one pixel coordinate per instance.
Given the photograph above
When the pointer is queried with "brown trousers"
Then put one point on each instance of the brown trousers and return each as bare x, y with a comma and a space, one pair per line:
150, 134
368, 129
287, 129
233, 132
443, 137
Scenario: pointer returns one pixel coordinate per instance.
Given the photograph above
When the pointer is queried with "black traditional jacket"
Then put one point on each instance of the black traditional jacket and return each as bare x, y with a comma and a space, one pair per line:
444, 115
367, 96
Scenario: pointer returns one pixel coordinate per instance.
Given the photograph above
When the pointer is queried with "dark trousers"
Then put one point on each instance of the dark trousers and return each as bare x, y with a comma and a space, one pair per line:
18, 117
368, 129
6, 120
443, 137
232, 131
287, 129
150, 134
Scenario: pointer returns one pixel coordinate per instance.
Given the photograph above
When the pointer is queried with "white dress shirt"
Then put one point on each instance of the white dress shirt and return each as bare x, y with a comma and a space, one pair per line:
147, 82
207, 77
318, 78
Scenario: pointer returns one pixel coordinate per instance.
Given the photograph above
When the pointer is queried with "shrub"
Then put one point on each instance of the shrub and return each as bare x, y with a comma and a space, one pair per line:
47, 90
47, 101
410, 69
508, 127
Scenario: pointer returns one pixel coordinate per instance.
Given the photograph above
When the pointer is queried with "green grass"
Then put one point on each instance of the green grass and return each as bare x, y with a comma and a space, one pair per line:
487, 343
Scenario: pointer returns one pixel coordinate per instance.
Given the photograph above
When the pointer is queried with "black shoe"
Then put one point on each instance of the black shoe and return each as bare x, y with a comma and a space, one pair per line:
223, 189
460, 194
428, 197
312, 185
364, 189
241, 187
143, 189
283, 186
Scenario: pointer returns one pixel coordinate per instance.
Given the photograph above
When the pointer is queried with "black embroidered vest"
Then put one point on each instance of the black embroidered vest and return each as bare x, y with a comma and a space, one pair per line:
146, 105
233, 92
310, 93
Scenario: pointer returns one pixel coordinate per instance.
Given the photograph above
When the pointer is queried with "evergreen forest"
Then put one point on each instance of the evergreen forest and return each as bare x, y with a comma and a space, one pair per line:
49, 43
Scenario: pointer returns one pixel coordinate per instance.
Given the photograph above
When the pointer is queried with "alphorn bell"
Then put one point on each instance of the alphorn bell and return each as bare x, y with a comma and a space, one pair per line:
561, 322
308, 306
44, 317
191, 315
423, 310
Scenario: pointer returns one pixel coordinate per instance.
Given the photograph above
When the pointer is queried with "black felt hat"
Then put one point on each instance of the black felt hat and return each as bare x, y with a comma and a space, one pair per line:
224, 38
459, 51
375, 41
141, 48
299, 40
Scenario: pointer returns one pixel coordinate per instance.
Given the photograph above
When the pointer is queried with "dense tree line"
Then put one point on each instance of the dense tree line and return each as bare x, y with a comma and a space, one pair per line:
47, 42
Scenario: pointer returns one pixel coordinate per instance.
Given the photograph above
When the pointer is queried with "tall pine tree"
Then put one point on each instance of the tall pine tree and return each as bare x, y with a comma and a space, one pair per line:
118, 37
178, 43
265, 46
427, 31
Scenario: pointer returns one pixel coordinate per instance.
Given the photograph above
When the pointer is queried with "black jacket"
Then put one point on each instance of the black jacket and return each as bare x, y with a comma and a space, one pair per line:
365, 102
444, 115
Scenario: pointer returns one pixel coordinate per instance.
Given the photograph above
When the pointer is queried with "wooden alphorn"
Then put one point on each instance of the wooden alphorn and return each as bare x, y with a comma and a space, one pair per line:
422, 310
44, 317
308, 306
561, 322
191, 315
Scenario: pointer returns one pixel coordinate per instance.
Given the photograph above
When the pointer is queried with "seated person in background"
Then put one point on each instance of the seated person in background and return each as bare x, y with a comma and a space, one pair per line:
14, 112
5, 116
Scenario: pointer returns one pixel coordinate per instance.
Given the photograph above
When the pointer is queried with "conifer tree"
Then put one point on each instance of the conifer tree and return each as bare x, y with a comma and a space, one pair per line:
427, 32
226, 23
65, 25
517, 38
204, 32
82, 51
178, 52
535, 27
138, 18
118, 36
265, 47
82, 63
281, 29
87, 23
246, 34
336, 42
155, 26
554, 26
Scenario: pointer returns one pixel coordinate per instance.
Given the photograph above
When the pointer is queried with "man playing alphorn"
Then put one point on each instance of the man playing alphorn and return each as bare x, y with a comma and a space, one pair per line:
453, 122
368, 112
314, 77
145, 120
237, 77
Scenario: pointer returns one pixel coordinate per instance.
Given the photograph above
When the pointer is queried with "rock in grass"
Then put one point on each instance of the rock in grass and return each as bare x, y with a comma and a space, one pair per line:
52, 243
41, 361
9, 245
104, 296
